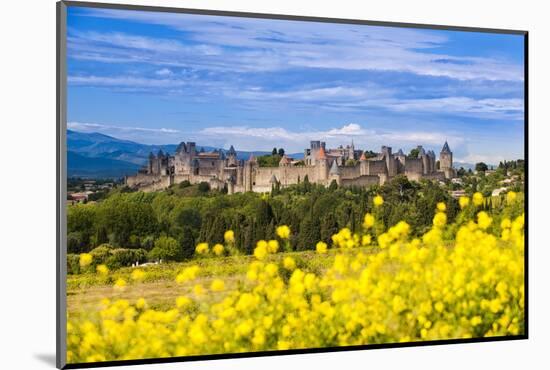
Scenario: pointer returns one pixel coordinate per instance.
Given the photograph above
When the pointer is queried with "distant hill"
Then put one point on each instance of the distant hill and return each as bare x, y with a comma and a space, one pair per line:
95, 155
90, 167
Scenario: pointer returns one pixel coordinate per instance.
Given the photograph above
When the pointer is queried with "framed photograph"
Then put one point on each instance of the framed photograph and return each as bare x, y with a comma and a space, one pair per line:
237, 184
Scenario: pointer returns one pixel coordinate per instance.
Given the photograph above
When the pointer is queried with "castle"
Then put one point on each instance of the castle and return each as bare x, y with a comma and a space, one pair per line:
344, 165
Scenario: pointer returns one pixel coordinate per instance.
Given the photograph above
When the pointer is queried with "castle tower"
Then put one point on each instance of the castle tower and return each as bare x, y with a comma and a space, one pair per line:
334, 173
425, 160
232, 156
431, 156
250, 173
446, 160
401, 158
230, 185
363, 165
150, 166
390, 161
160, 160
321, 163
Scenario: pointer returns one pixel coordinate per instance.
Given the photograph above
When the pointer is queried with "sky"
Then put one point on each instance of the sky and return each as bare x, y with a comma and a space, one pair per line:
163, 78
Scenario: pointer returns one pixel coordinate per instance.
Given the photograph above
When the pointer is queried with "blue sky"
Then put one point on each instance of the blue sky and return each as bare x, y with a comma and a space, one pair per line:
259, 83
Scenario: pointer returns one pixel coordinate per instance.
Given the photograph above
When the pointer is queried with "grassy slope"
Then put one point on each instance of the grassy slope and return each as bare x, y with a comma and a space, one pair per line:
160, 289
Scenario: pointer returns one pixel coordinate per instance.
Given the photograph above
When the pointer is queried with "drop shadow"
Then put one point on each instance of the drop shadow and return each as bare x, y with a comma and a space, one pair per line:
47, 358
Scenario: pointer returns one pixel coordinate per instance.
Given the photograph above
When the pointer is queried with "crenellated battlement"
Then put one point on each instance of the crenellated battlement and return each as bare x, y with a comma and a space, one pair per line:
345, 165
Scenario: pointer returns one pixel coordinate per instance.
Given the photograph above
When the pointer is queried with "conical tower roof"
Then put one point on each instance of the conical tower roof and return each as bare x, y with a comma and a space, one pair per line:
334, 169
446, 148
231, 151
321, 154
181, 147
363, 157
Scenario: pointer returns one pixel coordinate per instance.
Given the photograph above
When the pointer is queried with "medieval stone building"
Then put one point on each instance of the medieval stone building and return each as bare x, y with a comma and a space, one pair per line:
346, 166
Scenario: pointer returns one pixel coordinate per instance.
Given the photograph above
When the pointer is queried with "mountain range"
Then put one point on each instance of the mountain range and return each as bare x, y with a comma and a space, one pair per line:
95, 155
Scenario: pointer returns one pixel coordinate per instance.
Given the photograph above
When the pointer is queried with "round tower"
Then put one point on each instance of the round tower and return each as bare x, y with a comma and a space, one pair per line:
322, 165
446, 160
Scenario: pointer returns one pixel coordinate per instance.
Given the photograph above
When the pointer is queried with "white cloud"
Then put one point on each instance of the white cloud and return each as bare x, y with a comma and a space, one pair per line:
256, 138
245, 44
492, 159
164, 72
98, 127
125, 81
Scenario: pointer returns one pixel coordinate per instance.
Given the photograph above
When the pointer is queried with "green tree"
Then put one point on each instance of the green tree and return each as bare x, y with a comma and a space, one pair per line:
309, 233
274, 151
413, 153
481, 167
166, 248
204, 187
281, 152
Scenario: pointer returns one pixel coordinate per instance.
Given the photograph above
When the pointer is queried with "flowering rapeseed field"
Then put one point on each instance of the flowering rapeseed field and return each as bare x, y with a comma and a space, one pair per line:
459, 280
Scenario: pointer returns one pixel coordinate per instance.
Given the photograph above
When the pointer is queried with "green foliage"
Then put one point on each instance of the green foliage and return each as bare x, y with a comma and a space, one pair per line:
204, 187
169, 226
73, 263
166, 249
269, 160
481, 167
122, 257
369, 154
413, 153
350, 162
184, 184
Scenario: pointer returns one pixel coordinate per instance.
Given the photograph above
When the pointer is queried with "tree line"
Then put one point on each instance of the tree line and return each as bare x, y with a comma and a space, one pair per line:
168, 224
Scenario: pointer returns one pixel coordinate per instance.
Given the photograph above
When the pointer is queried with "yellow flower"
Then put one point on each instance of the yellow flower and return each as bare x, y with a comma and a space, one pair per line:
217, 285
365, 240
289, 263
120, 284
102, 270
369, 220
85, 259
378, 201
463, 202
283, 232
506, 223
229, 236
202, 248
141, 303
137, 275
321, 247
283, 345
441, 207
271, 269
189, 273
476, 320
182, 301
260, 252
218, 249
440, 219
477, 199
198, 289
484, 220
511, 197
272, 246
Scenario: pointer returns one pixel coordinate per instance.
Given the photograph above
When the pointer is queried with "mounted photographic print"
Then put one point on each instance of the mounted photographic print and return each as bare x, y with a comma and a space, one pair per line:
238, 184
